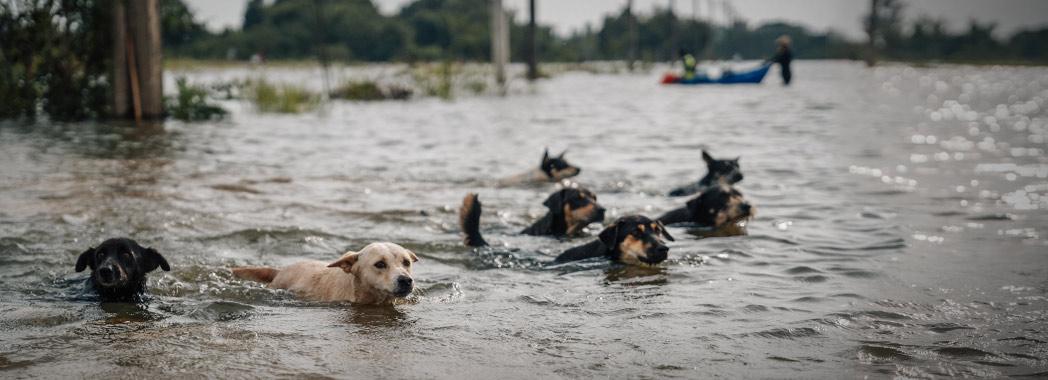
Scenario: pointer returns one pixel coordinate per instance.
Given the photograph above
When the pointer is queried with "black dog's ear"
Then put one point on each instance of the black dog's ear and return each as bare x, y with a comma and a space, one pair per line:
665, 233
86, 259
555, 202
545, 155
706, 157
737, 159
610, 236
152, 259
561, 156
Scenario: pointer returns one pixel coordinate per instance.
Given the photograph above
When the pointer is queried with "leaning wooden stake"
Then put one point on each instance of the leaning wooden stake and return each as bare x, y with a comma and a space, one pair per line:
136, 98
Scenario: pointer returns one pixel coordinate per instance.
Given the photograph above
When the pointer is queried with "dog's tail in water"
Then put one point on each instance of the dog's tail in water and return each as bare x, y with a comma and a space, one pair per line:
469, 221
260, 274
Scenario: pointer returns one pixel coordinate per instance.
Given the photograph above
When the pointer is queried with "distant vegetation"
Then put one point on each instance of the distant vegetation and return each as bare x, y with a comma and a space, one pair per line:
433, 30
55, 57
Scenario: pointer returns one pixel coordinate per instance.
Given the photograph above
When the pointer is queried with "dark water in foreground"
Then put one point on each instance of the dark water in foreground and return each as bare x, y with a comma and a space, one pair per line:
900, 232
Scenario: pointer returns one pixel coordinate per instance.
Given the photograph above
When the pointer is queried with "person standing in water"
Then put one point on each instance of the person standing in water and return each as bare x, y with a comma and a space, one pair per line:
689, 64
783, 56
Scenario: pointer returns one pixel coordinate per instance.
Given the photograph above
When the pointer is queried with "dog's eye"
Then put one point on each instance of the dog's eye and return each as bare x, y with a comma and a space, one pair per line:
407, 263
380, 265
127, 255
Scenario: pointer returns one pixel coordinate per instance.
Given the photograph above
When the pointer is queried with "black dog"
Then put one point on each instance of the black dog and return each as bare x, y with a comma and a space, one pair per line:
570, 210
716, 171
119, 267
551, 169
633, 239
717, 206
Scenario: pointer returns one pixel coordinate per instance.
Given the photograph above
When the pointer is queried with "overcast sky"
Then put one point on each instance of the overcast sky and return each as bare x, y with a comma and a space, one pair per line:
821, 15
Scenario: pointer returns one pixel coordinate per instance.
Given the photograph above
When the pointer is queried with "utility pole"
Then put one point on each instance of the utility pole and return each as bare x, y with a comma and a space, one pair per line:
632, 38
137, 74
533, 65
499, 43
871, 32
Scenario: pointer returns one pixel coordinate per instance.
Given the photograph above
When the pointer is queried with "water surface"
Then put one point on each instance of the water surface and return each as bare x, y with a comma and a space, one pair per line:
900, 232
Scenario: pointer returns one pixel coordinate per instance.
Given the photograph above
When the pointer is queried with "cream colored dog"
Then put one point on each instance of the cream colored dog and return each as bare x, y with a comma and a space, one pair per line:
378, 274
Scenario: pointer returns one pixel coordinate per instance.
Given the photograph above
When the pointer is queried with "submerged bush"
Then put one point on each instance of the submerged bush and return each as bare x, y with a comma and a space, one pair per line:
367, 90
190, 104
281, 99
358, 90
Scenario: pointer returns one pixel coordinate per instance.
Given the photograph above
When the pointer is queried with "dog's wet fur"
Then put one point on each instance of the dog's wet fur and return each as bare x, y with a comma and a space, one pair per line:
119, 267
634, 240
718, 206
717, 171
551, 169
380, 273
569, 211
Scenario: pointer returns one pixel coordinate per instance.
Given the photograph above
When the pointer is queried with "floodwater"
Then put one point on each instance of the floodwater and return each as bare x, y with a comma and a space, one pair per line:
901, 231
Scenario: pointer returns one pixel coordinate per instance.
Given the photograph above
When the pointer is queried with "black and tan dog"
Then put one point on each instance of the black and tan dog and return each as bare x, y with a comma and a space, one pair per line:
719, 206
717, 171
119, 267
633, 239
569, 211
551, 169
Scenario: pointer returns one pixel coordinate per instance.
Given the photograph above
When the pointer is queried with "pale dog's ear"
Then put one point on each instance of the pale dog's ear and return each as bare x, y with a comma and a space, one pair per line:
346, 262
412, 256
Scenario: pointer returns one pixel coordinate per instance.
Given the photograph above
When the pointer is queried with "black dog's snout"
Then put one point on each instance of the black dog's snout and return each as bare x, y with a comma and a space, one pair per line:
661, 252
106, 273
737, 177
600, 213
746, 207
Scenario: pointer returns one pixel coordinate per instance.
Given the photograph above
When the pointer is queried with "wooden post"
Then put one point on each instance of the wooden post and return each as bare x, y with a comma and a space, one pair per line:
533, 65
499, 43
137, 58
144, 23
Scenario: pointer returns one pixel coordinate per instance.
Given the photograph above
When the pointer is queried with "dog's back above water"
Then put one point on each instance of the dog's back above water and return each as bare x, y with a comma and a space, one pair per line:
378, 274
119, 267
717, 171
551, 169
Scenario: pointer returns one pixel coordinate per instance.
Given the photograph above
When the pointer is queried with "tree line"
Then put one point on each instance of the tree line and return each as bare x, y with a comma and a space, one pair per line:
426, 30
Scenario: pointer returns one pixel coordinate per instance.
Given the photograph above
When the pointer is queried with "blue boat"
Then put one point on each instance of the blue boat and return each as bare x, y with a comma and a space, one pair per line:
729, 77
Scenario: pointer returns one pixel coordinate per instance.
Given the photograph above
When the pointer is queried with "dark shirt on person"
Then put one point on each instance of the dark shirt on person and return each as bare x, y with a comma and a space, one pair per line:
783, 57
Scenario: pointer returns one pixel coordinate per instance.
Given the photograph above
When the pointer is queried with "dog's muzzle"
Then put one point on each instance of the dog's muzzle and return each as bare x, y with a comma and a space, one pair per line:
657, 255
404, 286
109, 275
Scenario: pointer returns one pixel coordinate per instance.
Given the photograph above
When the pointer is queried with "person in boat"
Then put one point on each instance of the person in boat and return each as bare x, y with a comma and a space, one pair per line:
783, 56
689, 64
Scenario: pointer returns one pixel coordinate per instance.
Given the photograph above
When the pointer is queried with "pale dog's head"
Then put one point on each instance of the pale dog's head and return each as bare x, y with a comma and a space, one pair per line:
383, 267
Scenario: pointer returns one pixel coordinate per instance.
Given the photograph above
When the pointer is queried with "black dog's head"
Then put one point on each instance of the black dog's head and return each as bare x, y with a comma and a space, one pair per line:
576, 207
719, 205
119, 266
556, 168
721, 170
635, 239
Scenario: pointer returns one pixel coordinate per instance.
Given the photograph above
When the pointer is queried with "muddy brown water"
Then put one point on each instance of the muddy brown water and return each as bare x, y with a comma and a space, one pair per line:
900, 232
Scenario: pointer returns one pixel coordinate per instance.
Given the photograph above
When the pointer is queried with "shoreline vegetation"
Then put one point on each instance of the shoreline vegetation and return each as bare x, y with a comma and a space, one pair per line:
438, 46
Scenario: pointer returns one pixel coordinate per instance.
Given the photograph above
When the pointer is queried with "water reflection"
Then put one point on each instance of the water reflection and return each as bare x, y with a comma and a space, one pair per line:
370, 317
632, 275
